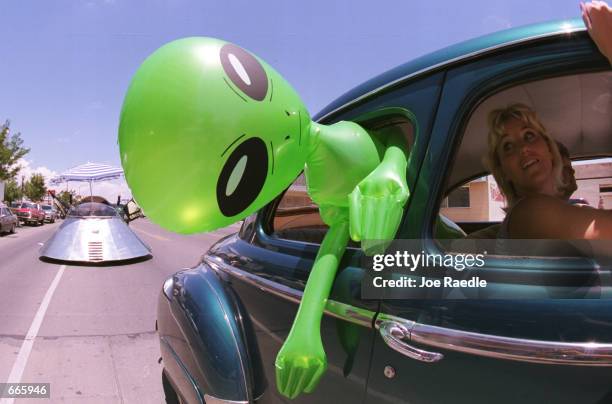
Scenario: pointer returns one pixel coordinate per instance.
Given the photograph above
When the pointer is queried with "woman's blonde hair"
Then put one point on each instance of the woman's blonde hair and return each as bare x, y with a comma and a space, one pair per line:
496, 121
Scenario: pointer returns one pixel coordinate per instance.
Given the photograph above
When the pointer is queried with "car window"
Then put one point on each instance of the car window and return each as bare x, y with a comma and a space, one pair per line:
296, 217
28, 206
473, 200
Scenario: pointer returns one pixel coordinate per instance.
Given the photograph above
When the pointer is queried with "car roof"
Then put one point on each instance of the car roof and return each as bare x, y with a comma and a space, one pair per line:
447, 56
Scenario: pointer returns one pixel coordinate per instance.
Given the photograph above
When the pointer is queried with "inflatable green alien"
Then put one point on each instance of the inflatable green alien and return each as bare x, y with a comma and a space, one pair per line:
207, 120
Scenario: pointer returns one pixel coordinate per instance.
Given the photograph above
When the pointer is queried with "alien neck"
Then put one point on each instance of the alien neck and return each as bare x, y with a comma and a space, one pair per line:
312, 138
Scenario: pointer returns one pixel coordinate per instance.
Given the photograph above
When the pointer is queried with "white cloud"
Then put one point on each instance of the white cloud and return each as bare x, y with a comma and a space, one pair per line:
107, 189
28, 168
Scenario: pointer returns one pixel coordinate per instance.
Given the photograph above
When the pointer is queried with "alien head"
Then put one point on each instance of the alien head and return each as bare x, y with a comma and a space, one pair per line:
209, 133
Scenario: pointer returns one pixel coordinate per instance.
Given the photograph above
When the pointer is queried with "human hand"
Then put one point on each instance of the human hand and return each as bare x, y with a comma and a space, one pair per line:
597, 17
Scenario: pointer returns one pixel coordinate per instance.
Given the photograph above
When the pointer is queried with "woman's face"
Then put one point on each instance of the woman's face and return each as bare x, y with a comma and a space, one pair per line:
526, 159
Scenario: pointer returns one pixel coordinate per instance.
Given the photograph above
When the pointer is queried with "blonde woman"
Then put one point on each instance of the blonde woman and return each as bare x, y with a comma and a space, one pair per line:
525, 161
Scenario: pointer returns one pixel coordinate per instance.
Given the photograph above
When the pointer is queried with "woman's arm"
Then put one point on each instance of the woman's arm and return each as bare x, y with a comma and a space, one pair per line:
597, 17
545, 217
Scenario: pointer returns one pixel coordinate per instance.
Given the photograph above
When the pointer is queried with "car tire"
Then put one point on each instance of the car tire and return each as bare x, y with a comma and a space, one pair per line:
169, 392
12, 231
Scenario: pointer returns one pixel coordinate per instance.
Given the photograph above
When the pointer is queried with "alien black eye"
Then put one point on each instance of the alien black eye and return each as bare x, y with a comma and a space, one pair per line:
245, 71
242, 176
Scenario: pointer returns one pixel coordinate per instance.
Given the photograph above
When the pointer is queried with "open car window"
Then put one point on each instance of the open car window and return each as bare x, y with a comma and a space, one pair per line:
296, 217
576, 111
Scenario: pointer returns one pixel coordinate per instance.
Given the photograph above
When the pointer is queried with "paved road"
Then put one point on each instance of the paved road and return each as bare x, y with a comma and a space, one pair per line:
89, 331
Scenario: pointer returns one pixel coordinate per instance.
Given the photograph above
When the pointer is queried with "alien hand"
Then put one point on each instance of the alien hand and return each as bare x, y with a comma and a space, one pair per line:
376, 206
300, 364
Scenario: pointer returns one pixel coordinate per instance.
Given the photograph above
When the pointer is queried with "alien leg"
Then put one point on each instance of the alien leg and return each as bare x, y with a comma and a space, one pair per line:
301, 361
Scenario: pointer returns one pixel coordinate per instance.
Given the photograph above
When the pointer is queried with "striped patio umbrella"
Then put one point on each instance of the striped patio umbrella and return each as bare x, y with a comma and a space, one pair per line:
89, 172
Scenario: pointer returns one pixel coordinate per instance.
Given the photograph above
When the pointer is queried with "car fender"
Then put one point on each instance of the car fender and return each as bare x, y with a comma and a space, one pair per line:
206, 330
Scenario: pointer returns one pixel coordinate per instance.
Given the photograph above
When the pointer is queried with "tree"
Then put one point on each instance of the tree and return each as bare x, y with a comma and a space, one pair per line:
35, 188
67, 197
11, 150
12, 191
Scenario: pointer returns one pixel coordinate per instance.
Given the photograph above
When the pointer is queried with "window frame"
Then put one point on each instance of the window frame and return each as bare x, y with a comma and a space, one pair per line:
547, 58
367, 120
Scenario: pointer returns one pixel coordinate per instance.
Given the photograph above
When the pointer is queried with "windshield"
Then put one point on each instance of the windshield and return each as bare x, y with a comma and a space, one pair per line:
92, 209
47, 207
27, 206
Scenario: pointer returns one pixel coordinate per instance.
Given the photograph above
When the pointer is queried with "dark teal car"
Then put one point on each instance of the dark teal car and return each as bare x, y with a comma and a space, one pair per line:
535, 336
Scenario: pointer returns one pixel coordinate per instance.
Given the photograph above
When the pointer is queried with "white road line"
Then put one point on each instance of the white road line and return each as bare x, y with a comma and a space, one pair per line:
26, 347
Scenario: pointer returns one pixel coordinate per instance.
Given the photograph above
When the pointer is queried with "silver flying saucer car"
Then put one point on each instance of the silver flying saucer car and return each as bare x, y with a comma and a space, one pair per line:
93, 232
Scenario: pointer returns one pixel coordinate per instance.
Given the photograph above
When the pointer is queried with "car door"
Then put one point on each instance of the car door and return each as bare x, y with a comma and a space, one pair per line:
4, 220
268, 263
530, 349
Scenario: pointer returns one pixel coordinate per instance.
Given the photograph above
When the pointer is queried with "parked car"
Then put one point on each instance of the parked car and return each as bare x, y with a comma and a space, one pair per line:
8, 221
14, 206
50, 213
30, 212
222, 322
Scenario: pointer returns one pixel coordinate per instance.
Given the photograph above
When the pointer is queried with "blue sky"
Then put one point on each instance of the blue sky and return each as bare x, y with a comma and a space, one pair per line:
66, 65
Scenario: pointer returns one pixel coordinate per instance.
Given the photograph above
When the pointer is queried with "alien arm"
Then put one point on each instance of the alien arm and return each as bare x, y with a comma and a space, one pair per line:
302, 361
396, 149
323, 273
377, 202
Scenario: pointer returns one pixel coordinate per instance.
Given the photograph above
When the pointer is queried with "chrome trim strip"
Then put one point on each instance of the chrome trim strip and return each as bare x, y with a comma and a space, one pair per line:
343, 311
214, 400
449, 62
498, 347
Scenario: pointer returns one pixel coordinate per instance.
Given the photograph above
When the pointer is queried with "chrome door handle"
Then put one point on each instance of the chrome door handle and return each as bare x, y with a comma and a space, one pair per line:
394, 335
396, 331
